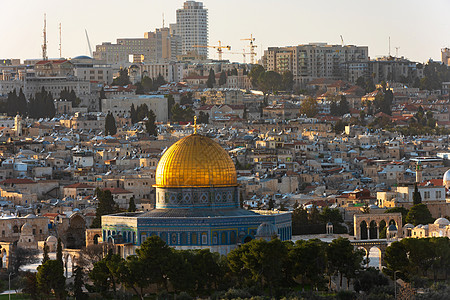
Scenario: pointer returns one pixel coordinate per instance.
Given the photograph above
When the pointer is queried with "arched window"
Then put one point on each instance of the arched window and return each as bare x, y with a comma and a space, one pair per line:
183, 238
233, 237
16, 229
194, 238
223, 239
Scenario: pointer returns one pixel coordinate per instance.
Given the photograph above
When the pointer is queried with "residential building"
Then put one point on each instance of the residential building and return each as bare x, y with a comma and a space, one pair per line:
192, 27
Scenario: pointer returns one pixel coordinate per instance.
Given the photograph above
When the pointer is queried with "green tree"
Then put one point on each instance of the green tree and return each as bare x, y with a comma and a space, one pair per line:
30, 285
344, 107
59, 256
106, 275
401, 210
309, 107
211, 79
132, 205
133, 114
139, 89
156, 256
150, 125
123, 79
147, 84
78, 284
255, 73
287, 80
159, 81
203, 118
45, 255
396, 259
223, 78
50, 277
343, 259
106, 206
309, 261
417, 198
110, 125
419, 214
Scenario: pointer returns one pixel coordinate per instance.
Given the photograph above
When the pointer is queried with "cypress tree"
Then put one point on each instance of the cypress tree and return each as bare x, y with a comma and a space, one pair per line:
417, 198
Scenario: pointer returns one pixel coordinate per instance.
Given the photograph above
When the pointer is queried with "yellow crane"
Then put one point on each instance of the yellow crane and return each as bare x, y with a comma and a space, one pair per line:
252, 48
243, 53
218, 47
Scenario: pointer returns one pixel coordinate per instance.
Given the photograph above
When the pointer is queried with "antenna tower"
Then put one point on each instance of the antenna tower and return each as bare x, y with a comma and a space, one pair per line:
60, 38
44, 46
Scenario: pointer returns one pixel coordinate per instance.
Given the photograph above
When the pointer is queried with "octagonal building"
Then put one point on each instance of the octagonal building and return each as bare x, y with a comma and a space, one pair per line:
197, 204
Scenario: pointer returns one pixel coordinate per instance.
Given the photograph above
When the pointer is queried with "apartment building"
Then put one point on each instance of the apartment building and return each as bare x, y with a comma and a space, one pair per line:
192, 27
317, 60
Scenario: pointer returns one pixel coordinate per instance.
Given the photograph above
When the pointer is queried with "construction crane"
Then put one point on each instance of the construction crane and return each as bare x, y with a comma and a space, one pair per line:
219, 48
89, 43
252, 48
243, 53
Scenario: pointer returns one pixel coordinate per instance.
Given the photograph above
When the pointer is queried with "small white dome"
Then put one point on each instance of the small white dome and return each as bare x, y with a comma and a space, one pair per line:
442, 221
446, 178
51, 239
409, 225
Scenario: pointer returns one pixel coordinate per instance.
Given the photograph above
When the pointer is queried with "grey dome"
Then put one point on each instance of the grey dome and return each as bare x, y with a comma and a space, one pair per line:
442, 221
266, 230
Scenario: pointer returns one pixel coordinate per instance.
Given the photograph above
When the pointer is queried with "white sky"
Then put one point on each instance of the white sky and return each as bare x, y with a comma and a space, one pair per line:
420, 28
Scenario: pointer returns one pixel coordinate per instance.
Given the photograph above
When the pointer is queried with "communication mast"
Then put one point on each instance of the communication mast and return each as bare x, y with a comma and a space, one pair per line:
44, 46
60, 38
89, 43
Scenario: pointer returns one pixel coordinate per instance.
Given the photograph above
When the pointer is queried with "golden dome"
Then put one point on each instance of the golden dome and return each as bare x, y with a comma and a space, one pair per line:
195, 161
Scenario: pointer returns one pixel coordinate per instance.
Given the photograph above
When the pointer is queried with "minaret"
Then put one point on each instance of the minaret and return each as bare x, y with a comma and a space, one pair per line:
418, 172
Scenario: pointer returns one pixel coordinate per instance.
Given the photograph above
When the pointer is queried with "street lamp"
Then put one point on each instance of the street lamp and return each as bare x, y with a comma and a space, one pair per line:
395, 284
9, 285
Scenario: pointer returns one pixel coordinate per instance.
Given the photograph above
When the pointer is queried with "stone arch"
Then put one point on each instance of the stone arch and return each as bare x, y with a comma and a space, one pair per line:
373, 230
361, 232
364, 230
96, 237
379, 256
15, 229
4, 258
382, 229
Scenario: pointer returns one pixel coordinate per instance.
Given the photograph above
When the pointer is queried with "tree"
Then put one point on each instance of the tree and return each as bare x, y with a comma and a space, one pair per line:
22, 256
156, 255
344, 107
147, 84
106, 275
308, 260
401, 210
287, 80
203, 118
132, 205
309, 107
123, 78
50, 276
255, 73
110, 125
211, 79
419, 214
150, 125
78, 284
159, 81
170, 103
133, 114
223, 78
343, 259
45, 255
59, 256
139, 89
106, 205
417, 198
186, 99
30, 285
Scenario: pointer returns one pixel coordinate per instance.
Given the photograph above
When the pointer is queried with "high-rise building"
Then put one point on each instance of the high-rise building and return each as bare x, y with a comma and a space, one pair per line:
318, 60
156, 46
192, 27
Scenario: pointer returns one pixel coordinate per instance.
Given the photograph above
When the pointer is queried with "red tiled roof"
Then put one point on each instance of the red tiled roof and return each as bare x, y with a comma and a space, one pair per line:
17, 181
117, 190
79, 186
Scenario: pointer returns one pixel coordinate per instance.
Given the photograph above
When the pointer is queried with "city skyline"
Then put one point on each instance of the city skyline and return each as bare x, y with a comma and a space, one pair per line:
290, 23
